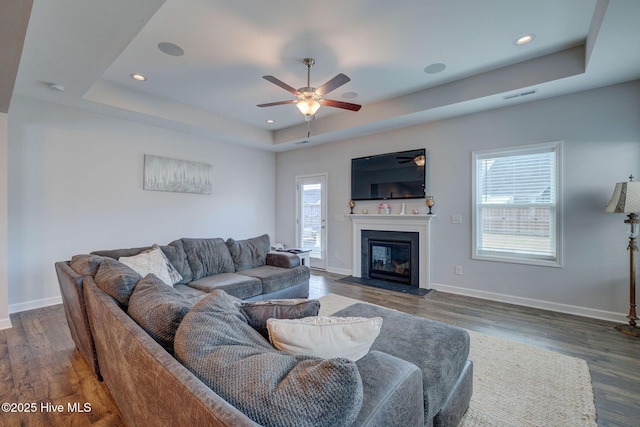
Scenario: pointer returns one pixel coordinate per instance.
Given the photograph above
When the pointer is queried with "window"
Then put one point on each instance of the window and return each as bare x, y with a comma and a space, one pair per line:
516, 205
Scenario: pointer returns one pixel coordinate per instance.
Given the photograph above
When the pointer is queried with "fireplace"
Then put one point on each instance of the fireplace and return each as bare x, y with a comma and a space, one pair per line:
391, 255
418, 224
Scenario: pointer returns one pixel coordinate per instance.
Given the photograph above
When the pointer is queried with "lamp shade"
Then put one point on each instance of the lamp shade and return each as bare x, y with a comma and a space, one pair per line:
625, 199
308, 106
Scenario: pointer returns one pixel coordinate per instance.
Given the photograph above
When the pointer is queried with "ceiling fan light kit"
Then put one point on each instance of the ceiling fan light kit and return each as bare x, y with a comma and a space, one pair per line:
308, 103
309, 99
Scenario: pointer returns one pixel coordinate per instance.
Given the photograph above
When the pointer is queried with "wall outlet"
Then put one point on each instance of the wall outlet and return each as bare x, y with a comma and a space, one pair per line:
456, 219
459, 270
336, 254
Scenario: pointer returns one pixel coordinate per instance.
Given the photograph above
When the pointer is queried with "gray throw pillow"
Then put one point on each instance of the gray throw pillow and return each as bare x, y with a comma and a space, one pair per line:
249, 253
176, 255
257, 313
117, 279
158, 309
207, 257
272, 388
86, 265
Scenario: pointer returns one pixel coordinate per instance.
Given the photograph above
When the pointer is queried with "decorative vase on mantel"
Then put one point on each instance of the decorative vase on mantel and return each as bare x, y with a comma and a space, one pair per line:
384, 208
429, 203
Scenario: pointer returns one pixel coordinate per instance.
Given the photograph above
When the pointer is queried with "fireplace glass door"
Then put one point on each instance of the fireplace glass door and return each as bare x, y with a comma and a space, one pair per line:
390, 260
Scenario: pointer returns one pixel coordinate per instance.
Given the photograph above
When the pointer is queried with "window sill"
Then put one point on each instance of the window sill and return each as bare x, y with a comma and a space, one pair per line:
555, 263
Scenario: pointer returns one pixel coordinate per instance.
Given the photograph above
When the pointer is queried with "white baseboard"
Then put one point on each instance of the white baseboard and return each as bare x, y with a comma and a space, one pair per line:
5, 324
533, 303
31, 305
341, 271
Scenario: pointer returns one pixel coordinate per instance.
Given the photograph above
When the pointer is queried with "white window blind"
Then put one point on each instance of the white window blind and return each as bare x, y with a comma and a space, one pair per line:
516, 202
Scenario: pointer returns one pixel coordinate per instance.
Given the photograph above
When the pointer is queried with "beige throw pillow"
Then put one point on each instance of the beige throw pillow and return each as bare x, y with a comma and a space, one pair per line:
149, 262
325, 337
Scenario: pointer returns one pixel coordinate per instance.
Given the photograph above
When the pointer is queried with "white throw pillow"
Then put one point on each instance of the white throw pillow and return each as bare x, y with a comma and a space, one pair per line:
149, 262
326, 337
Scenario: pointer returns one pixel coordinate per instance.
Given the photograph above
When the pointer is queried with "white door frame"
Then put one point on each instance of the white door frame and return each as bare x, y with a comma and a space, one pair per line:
320, 263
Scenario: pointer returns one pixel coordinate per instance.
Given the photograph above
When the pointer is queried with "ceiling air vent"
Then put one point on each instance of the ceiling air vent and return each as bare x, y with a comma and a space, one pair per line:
521, 94
301, 142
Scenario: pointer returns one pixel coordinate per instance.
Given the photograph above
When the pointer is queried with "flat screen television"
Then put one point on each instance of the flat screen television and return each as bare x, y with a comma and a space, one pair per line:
400, 175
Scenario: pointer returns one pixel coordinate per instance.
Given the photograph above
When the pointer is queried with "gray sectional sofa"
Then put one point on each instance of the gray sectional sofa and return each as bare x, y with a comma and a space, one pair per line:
188, 355
245, 269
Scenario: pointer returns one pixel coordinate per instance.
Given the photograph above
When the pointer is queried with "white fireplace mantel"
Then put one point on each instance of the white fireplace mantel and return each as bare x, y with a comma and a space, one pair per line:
408, 223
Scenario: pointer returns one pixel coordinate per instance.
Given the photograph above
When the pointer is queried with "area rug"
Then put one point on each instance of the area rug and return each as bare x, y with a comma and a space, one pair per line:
517, 385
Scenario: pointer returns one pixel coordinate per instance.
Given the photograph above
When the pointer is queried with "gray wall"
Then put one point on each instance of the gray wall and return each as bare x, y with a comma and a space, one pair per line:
75, 185
4, 265
601, 134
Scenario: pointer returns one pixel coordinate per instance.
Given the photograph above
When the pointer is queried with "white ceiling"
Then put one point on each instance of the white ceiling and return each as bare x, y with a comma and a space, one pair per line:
92, 47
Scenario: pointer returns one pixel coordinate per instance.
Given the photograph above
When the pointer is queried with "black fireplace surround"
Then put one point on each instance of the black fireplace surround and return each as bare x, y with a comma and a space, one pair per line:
391, 255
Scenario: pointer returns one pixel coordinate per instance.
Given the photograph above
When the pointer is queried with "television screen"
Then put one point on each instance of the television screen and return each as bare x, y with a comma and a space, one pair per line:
400, 175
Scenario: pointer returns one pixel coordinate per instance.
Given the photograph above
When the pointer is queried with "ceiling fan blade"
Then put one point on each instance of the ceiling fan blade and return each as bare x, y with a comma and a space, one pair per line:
271, 104
333, 84
340, 104
282, 84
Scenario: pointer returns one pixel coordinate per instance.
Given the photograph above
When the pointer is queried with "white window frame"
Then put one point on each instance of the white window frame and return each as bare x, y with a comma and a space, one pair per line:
516, 257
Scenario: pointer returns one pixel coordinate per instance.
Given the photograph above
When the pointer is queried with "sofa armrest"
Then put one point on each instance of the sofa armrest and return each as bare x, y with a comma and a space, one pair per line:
283, 259
392, 391
75, 310
150, 387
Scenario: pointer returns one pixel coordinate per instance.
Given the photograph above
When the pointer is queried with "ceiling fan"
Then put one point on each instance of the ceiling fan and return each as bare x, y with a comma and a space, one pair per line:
308, 99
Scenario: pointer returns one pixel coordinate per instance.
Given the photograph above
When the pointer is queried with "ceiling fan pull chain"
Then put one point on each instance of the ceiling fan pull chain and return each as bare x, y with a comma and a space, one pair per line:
308, 129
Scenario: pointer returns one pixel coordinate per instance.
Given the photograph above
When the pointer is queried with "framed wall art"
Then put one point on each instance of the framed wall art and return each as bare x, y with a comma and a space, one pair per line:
177, 176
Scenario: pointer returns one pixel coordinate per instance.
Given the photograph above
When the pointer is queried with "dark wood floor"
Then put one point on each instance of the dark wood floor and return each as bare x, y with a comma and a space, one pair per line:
39, 364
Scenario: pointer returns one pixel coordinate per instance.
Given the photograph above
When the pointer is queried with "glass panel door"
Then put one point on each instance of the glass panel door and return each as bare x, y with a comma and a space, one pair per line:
311, 230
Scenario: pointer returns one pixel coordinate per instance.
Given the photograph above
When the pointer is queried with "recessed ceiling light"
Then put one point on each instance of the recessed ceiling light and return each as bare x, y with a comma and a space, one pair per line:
528, 38
270, 121
349, 95
170, 49
435, 68
138, 77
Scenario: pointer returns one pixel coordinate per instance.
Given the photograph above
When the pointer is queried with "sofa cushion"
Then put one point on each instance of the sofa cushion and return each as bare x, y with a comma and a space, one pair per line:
283, 259
249, 253
151, 261
117, 279
207, 257
215, 342
275, 278
158, 309
117, 253
86, 265
441, 356
348, 337
192, 294
258, 312
238, 285
176, 255
174, 274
